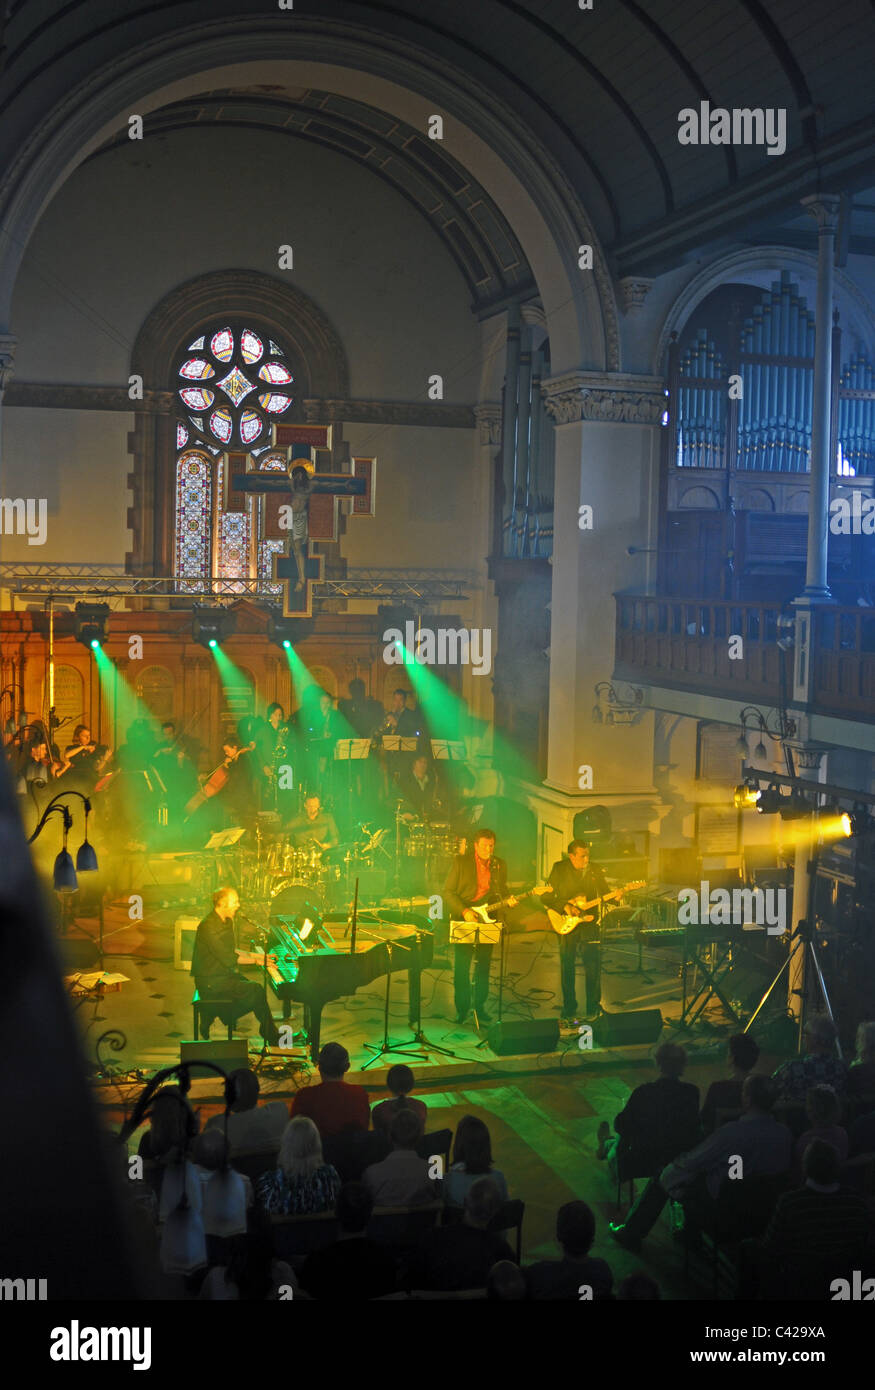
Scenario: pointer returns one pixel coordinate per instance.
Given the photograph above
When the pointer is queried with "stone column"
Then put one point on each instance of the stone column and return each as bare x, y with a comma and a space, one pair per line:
606, 459
824, 209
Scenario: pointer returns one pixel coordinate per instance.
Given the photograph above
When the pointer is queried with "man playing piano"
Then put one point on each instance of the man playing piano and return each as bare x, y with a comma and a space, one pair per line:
214, 962
474, 879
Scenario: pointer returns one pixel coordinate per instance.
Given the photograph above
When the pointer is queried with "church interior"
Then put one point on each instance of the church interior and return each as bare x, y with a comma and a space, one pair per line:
437, 651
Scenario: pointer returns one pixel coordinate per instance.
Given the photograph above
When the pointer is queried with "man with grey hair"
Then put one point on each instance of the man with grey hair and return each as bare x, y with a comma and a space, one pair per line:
214, 967
460, 1256
818, 1065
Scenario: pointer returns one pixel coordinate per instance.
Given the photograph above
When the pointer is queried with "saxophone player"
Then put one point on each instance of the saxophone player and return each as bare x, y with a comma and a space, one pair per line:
271, 741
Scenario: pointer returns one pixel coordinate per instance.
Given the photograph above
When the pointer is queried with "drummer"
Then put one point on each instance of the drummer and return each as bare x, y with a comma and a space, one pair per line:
418, 787
314, 827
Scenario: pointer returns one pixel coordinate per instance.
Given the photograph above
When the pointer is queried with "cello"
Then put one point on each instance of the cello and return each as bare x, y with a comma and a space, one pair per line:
216, 782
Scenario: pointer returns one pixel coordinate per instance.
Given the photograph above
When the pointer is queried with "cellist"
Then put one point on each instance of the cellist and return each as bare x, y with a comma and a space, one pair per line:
231, 787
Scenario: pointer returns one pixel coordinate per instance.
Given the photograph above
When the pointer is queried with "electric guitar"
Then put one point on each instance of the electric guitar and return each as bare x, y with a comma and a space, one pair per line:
563, 923
483, 910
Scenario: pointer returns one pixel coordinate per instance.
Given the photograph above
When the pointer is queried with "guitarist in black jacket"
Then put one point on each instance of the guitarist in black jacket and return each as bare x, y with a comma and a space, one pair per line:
474, 879
574, 877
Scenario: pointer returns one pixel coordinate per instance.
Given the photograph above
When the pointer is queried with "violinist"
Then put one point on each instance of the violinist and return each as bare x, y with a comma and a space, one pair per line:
84, 759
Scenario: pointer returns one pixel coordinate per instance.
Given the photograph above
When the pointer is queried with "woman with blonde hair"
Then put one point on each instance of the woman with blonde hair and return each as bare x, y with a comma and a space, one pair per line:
302, 1182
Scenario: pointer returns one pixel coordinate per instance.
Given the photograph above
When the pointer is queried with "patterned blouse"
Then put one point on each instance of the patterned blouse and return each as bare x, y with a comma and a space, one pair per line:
282, 1196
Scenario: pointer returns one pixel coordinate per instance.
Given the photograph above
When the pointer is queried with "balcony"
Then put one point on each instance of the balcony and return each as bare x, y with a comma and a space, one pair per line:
683, 644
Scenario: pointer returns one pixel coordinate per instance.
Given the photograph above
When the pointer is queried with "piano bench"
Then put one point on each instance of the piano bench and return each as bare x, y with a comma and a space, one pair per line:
205, 1010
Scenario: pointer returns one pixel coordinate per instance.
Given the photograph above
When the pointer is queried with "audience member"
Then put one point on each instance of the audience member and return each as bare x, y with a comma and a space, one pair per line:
227, 1195
862, 1135
576, 1270
823, 1110
763, 1145
402, 1178
506, 1283
334, 1106
818, 1224
725, 1094
472, 1160
253, 1274
302, 1182
250, 1125
400, 1080
354, 1267
460, 1256
861, 1073
659, 1121
173, 1126
819, 1065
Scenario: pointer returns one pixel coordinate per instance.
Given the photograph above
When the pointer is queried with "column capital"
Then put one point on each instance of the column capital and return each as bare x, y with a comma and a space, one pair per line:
634, 289
620, 398
8, 344
824, 208
488, 417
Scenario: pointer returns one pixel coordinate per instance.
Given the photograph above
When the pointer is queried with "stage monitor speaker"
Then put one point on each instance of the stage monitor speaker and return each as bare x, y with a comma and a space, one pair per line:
510, 1038
228, 1053
623, 1030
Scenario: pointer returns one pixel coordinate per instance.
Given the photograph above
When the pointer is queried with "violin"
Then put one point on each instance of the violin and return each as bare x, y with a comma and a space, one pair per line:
217, 780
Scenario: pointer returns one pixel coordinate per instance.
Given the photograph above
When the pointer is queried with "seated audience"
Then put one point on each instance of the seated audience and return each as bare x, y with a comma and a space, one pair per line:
302, 1182
823, 1110
861, 1073
695, 1178
638, 1287
506, 1283
401, 1179
334, 1106
250, 1125
659, 1121
472, 1160
818, 1066
820, 1223
862, 1135
460, 1256
253, 1274
726, 1094
400, 1080
173, 1126
227, 1195
564, 1279
354, 1267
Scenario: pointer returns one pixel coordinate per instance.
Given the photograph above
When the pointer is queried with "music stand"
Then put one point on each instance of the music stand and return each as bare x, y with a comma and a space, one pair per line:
385, 1046
349, 750
480, 933
447, 750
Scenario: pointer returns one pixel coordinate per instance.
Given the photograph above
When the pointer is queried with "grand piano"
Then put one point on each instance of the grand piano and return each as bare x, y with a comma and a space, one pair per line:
313, 978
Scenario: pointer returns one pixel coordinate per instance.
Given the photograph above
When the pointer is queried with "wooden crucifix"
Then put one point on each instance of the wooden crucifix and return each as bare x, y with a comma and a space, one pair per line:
303, 509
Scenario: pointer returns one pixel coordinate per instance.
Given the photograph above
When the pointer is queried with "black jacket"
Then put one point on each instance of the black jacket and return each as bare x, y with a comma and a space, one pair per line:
460, 889
568, 883
214, 958
660, 1121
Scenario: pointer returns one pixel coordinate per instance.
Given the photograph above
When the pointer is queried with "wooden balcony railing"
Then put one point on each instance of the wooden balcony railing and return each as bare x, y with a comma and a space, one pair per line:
685, 644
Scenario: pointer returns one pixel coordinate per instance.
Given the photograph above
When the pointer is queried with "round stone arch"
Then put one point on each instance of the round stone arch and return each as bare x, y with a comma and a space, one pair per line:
316, 358
488, 138
751, 266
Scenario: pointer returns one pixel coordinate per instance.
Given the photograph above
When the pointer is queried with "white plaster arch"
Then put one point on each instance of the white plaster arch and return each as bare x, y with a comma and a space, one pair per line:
483, 133
749, 265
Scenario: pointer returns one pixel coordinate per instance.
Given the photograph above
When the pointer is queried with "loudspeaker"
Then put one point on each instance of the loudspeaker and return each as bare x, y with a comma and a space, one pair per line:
524, 1035
228, 1053
620, 1030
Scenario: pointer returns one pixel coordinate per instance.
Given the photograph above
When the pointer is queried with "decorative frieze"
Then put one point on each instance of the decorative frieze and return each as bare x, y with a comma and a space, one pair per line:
610, 397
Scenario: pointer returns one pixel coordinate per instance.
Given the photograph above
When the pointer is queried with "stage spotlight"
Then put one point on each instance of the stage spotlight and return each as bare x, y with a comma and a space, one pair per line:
770, 801
741, 743
210, 626
794, 806
746, 795
284, 632
89, 623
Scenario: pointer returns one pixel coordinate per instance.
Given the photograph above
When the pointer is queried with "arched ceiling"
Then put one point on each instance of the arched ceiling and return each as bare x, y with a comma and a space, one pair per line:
475, 232
601, 89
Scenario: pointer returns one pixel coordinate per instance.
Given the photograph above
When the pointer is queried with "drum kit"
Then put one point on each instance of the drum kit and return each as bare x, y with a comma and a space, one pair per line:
422, 853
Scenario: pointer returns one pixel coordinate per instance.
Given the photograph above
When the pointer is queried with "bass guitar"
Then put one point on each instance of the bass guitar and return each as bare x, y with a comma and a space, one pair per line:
565, 922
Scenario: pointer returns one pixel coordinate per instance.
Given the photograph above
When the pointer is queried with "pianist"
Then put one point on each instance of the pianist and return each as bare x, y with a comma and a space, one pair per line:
213, 966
